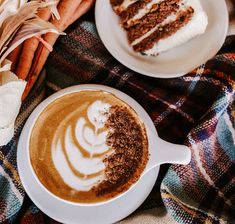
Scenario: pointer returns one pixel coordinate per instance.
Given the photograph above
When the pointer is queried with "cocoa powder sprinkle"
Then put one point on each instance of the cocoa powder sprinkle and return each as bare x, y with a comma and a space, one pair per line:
127, 138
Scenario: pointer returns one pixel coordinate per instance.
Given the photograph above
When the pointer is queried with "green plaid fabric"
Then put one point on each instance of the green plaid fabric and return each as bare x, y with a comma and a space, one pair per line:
197, 109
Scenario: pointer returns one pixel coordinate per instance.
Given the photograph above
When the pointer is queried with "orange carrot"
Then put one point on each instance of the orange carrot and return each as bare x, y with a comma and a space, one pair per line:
29, 48
81, 10
66, 8
14, 56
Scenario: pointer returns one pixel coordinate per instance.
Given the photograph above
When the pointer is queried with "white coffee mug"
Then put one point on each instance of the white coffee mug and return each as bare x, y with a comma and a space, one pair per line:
111, 210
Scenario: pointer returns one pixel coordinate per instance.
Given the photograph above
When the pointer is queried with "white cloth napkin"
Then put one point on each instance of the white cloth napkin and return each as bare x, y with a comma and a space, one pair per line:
11, 90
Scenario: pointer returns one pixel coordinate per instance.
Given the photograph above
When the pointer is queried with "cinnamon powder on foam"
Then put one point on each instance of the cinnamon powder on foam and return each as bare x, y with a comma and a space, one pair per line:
127, 137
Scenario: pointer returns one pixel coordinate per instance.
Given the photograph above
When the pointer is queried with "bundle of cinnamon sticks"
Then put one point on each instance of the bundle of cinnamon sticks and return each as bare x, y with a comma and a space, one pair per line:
29, 58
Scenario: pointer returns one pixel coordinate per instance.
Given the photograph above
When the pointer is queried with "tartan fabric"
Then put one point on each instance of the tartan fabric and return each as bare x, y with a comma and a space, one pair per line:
196, 109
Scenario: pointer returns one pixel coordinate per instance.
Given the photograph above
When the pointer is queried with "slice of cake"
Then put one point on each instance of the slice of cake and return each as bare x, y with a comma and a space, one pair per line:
154, 26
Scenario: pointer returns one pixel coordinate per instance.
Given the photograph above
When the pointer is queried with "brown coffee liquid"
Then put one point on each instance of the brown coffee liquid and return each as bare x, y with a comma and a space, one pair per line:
51, 131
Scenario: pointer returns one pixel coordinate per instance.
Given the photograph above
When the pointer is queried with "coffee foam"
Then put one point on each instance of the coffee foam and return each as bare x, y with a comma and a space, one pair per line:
68, 146
67, 150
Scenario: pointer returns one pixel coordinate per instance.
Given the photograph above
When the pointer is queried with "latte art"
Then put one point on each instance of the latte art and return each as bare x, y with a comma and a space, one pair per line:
88, 146
78, 148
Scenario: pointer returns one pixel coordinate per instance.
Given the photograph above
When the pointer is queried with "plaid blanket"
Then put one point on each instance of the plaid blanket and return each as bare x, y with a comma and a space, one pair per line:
197, 109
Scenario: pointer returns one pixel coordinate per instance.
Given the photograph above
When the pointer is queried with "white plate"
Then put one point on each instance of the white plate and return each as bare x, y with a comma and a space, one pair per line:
173, 63
68, 213
61, 211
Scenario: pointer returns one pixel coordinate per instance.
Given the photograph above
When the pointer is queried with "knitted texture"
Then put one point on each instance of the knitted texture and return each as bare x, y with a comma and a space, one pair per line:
197, 110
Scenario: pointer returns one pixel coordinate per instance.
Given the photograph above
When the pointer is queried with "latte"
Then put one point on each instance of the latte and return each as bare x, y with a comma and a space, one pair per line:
88, 146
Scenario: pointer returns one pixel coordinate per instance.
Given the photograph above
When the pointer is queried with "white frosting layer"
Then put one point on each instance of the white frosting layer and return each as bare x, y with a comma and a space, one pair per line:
196, 26
144, 11
91, 141
124, 5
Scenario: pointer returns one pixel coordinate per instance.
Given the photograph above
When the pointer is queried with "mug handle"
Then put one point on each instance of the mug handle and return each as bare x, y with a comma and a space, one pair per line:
162, 152
173, 153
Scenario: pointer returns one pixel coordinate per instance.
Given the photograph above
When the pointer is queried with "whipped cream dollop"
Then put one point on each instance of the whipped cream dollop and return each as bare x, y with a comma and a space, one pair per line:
78, 157
11, 90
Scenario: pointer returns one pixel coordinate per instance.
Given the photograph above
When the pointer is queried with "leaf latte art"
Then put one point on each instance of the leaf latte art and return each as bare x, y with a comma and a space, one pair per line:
79, 147
88, 146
